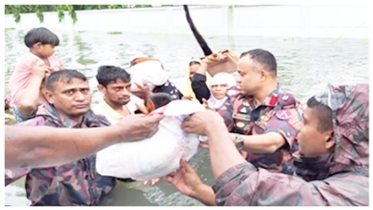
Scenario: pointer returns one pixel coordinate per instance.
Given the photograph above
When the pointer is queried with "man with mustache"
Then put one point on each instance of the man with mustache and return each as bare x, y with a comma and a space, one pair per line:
115, 83
76, 183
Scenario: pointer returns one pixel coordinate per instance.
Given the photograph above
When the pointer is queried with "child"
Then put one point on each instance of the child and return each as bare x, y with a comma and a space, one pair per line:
31, 69
157, 100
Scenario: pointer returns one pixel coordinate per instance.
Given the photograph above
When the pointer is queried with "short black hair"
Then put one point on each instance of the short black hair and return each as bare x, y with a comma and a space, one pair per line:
42, 35
264, 58
323, 114
159, 99
107, 74
66, 76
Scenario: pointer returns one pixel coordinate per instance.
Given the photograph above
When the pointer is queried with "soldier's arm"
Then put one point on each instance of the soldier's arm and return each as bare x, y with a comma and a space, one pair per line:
239, 183
46, 146
245, 185
278, 132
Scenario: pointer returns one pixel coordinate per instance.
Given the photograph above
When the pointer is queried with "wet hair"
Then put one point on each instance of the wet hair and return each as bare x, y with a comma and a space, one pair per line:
323, 114
107, 74
159, 99
264, 58
65, 76
42, 35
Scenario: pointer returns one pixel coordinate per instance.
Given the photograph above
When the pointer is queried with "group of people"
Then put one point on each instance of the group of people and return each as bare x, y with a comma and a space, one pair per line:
265, 147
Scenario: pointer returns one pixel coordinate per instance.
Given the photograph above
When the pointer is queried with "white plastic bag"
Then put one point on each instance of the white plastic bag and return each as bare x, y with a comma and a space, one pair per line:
157, 156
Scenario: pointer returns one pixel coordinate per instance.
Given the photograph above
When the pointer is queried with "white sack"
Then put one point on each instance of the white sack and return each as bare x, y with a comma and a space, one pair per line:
157, 156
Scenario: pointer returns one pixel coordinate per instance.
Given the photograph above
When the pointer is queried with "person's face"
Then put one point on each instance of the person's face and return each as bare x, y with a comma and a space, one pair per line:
250, 76
193, 68
219, 91
117, 92
44, 50
72, 99
312, 142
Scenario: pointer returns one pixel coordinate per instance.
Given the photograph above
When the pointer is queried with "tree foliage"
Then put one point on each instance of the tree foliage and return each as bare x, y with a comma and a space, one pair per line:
39, 10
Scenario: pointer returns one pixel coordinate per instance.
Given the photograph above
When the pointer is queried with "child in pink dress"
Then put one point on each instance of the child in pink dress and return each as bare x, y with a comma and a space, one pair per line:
26, 80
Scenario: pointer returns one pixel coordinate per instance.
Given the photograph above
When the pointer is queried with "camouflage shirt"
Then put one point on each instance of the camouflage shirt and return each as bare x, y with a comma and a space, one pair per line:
279, 112
338, 178
76, 183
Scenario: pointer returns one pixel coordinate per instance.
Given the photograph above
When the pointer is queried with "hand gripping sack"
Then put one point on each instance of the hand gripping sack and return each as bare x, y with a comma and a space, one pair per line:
158, 155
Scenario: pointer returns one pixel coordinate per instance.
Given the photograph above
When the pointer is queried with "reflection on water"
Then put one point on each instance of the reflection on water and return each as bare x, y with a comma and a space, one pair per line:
304, 66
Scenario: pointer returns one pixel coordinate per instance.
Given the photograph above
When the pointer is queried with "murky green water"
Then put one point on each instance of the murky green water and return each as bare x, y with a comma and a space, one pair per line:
304, 66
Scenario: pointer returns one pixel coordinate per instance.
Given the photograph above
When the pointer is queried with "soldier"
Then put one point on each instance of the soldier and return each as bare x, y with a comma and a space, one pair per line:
332, 164
76, 183
263, 119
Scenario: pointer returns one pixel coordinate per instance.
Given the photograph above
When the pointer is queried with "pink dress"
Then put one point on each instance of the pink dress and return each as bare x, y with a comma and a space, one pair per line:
21, 75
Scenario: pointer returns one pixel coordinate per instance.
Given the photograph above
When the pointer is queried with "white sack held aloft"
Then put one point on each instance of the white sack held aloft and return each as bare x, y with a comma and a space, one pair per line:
157, 156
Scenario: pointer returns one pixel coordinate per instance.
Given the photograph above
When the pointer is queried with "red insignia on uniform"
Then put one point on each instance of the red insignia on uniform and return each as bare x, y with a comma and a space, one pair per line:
283, 114
273, 100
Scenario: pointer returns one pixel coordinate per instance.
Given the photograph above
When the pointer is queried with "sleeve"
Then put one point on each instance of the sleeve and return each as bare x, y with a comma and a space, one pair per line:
245, 185
226, 111
286, 122
199, 87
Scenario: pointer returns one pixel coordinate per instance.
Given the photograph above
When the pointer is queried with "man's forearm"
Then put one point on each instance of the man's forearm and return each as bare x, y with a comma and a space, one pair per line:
223, 152
46, 146
263, 143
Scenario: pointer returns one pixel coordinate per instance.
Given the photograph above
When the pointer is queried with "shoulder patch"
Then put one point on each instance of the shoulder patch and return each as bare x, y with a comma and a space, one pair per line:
283, 114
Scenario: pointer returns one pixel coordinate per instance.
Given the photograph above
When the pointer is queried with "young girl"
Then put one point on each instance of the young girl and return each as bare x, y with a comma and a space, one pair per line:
219, 87
31, 69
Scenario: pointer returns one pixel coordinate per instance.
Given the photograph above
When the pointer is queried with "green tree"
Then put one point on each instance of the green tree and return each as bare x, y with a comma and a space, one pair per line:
17, 10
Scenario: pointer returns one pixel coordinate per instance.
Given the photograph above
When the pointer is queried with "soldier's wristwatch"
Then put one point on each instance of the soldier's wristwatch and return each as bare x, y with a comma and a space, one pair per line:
239, 142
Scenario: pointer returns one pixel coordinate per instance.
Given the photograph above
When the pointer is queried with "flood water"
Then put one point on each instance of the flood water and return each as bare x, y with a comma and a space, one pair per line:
304, 66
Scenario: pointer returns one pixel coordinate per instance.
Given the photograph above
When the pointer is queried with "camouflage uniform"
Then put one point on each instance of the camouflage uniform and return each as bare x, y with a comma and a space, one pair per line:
279, 112
339, 178
76, 183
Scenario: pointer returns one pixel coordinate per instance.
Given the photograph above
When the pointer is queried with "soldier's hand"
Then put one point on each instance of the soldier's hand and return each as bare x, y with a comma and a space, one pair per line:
185, 180
201, 122
138, 127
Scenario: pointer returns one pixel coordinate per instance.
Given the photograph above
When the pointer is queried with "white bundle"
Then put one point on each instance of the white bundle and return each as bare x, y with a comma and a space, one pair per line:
149, 72
157, 156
